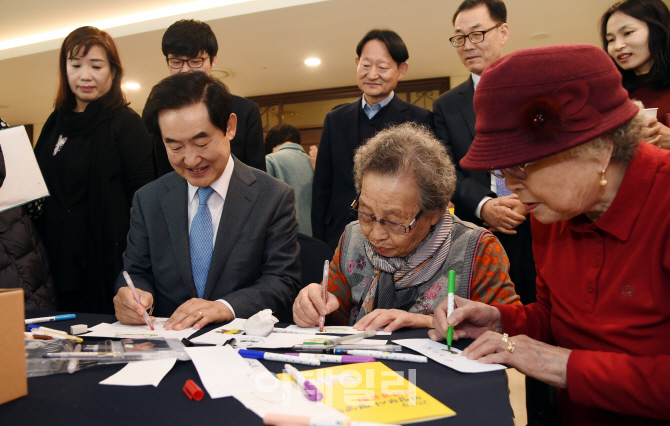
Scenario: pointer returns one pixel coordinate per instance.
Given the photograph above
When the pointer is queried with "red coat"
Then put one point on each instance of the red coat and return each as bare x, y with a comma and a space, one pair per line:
603, 290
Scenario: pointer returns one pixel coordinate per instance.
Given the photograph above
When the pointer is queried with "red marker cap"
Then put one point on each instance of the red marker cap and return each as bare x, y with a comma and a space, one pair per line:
193, 391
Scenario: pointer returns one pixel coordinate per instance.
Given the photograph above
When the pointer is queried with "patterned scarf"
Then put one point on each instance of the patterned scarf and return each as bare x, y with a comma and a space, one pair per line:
394, 285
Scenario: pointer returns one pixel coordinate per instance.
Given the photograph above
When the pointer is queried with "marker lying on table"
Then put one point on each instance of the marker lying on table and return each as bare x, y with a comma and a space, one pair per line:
362, 346
55, 335
291, 331
310, 391
337, 359
451, 289
269, 356
137, 299
35, 327
344, 339
286, 419
385, 355
50, 319
27, 335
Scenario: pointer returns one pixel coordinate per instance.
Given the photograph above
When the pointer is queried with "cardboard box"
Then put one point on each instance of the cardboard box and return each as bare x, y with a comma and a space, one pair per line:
12, 347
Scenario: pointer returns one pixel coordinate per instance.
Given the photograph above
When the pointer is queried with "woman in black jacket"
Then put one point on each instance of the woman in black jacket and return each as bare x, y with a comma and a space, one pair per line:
94, 153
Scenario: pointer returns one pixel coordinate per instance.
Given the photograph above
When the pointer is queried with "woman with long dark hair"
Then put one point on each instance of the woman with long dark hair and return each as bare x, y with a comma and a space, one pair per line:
636, 34
94, 153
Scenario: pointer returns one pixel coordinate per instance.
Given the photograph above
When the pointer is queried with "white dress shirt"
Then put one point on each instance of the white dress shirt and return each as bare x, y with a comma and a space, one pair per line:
214, 203
383, 102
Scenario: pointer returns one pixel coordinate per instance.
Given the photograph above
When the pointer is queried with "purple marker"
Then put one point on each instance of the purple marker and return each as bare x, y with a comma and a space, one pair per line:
339, 359
310, 391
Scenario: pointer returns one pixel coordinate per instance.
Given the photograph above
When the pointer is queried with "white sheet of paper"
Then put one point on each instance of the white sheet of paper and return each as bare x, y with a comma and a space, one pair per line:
119, 330
335, 329
438, 352
141, 373
285, 398
273, 341
222, 370
24, 181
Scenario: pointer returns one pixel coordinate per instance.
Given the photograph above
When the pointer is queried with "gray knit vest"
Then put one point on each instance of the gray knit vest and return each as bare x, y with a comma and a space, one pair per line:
359, 271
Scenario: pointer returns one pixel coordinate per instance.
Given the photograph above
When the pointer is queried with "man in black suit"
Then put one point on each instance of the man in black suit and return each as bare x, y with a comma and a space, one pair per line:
215, 239
191, 45
380, 63
481, 32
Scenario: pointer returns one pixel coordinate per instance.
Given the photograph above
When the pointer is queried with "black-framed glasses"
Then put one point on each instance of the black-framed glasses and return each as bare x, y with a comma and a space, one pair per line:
518, 172
475, 36
394, 227
177, 63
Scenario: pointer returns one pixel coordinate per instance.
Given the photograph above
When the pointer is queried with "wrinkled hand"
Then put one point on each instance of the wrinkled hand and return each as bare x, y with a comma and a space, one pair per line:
656, 133
126, 308
503, 214
198, 313
533, 358
309, 306
469, 319
393, 319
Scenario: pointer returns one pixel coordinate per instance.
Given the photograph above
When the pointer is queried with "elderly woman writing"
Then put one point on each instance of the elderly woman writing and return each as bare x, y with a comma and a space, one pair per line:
566, 137
390, 268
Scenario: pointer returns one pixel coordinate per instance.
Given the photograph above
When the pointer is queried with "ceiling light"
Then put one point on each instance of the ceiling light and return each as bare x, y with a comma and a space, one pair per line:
131, 86
123, 20
312, 62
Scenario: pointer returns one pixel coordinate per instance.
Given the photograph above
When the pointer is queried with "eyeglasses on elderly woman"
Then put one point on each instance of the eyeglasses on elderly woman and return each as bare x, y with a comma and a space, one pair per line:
518, 172
394, 227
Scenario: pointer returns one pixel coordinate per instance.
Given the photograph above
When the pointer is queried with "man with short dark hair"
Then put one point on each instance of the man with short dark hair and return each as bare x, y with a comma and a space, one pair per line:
288, 162
216, 239
481, 32
380, 63
191, 45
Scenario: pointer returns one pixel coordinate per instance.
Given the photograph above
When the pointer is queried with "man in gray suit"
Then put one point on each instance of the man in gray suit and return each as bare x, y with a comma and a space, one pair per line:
215, 239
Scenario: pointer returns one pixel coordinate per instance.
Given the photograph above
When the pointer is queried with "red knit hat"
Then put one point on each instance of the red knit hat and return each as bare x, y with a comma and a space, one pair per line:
534, 103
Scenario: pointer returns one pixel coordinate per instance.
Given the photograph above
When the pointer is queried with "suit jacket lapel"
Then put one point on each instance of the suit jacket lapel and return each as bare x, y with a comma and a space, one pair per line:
396, 113
240, 200
467, 106
350, 122
175, 209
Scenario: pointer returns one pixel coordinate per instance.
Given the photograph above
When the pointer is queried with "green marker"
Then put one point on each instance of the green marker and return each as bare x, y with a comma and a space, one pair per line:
450, 305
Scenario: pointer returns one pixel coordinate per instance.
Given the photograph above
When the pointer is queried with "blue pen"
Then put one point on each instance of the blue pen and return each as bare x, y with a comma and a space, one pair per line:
49, 319
269, 356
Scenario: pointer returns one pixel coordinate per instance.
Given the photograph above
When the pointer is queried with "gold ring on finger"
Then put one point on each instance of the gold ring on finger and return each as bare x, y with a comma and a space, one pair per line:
511, 346
200, 313
504, 337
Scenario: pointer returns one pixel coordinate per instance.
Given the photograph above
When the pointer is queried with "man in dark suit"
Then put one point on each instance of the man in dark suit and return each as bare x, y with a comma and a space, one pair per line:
381, 62
481, 32
191, 45
215, 239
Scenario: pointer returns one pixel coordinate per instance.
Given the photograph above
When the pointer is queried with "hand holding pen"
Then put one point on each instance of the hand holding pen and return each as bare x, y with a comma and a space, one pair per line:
310, 306
126, 301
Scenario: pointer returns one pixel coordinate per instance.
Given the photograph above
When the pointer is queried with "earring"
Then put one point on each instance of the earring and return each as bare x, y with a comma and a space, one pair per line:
603, 181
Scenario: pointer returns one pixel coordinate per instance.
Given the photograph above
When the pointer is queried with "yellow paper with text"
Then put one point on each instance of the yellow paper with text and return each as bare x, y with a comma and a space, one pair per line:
372, 392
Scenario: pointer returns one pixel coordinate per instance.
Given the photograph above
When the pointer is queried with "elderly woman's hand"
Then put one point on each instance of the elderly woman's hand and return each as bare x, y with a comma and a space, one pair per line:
393, 319
309, 306
503, 214
470, 319
535, 359
656, 133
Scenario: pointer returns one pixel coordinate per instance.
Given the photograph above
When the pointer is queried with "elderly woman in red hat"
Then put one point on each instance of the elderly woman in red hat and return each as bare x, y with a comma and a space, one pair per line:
556, 122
